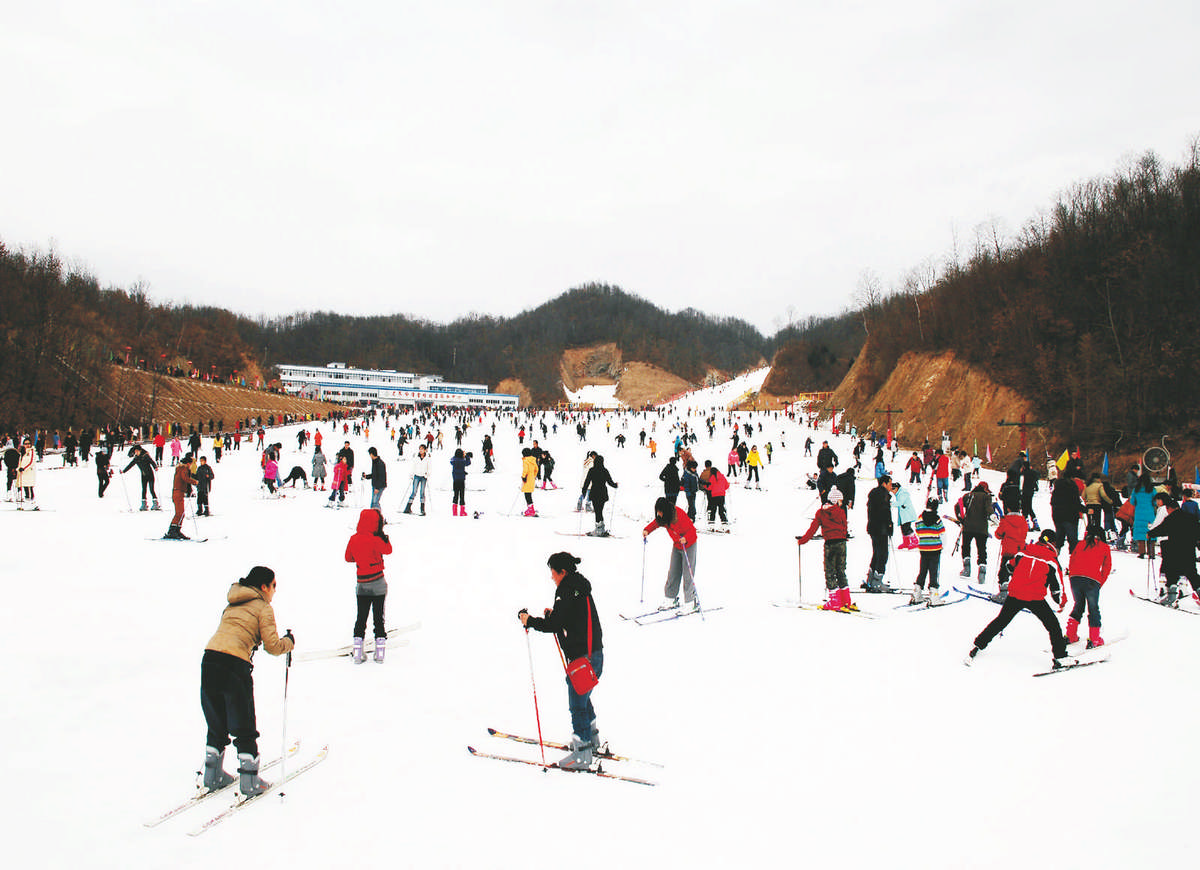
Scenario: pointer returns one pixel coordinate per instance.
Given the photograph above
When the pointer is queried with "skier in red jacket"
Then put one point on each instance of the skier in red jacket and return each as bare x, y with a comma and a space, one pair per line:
1035, 570
366, 548
683, 554
1090, 565
831, 519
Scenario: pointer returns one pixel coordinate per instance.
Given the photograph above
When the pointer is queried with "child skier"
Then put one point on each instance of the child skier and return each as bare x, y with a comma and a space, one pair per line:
831, 519
1012, 532
929, 530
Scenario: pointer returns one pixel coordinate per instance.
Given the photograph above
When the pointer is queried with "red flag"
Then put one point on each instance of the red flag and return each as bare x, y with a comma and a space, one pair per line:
989, 453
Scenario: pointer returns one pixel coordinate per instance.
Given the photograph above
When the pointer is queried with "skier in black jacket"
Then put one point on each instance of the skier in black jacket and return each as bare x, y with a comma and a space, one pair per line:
1182, 533
880, 528
576, 626
146, 465
670, 479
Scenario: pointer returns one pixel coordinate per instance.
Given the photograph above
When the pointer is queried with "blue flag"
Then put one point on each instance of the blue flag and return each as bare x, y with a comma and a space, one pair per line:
1198, 475
1104, 466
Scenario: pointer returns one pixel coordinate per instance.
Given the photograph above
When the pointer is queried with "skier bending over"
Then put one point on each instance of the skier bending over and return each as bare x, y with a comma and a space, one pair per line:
683, 554
1034, 570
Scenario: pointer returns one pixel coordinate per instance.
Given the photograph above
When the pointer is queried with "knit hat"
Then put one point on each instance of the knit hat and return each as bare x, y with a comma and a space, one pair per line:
835, 495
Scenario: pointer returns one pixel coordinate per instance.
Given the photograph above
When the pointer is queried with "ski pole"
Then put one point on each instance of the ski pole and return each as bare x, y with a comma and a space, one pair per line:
287, 670
799, 572
642, 597
536, 714
692, 575
125, 492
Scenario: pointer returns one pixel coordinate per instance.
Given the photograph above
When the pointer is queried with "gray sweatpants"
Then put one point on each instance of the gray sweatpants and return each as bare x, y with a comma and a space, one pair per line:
682, 567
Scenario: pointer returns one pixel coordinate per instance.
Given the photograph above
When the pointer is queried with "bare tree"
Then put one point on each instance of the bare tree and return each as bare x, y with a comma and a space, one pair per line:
868, 297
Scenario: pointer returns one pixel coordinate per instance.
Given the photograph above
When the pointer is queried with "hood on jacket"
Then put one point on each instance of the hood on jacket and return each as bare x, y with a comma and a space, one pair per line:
370, 521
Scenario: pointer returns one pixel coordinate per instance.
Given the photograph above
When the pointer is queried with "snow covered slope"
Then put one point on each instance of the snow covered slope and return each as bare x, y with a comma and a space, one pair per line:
788, 737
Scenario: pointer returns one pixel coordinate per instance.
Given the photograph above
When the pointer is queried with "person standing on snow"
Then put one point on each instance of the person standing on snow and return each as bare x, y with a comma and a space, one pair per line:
831, 520
715, 485
318, 468
204, 481
1012, 532
1036, 570
929, 543
146, 466
906, 515
458, 481
179, 485
576, 626
670, 479
683, 554
977, 512
366, 548
378, 477
1182, 533
596, 483
880, 528
226, 681
1090, 565
420, 470
529, 472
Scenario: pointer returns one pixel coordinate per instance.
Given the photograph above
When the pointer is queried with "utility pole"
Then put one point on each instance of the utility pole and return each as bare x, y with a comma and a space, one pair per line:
889, 410
1023, 425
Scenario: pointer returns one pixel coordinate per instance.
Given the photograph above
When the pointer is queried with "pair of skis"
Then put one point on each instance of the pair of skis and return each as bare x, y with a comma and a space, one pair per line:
241, 803
598, 770
653, 617
348, 650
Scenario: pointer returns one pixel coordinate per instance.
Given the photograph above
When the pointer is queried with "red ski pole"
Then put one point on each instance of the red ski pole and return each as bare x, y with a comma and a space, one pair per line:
536, 714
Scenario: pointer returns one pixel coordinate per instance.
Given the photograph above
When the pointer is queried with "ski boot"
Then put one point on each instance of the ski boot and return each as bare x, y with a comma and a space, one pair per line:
935, 598
357, 655
155, 506
970, 659
1064, 662
918, 596
1072, 632
580, 756
215, 776
408, 508
669, 604
380, 649
1094, 638
966, 571
599, 531
144, 506
981, 575
174, 533
251, 784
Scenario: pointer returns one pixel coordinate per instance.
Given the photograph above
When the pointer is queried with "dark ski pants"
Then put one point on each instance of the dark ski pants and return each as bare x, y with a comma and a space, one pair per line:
835, 565
980, 540
227, 698
148, 483
104, 481
598, 507
1010, 608
879, 551
459, 492
931, 563
716, 505
367, 604
1086, 592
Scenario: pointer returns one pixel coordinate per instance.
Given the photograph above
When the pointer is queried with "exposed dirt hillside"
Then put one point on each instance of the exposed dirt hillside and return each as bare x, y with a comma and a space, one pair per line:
156, 398
516, 387
643, 384
936, 392
588, 366
638, 383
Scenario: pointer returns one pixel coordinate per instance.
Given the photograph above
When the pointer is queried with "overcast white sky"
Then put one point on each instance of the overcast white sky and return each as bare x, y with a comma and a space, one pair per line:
445, 157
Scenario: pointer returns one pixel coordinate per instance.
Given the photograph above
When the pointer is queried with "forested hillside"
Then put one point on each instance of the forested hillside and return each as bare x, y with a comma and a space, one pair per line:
483, 349
1093, 313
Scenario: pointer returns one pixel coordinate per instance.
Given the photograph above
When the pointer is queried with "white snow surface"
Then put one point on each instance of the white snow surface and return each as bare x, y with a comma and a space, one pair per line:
789, 737
596, 395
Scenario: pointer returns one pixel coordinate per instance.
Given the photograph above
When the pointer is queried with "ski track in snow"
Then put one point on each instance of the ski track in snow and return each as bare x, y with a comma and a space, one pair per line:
788, 737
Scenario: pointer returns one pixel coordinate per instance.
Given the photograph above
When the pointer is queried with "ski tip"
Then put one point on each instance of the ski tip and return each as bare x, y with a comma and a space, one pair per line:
491, 731
472, 750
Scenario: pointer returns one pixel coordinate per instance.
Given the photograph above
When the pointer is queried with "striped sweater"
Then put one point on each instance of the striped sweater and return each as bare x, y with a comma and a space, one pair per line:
929, 537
